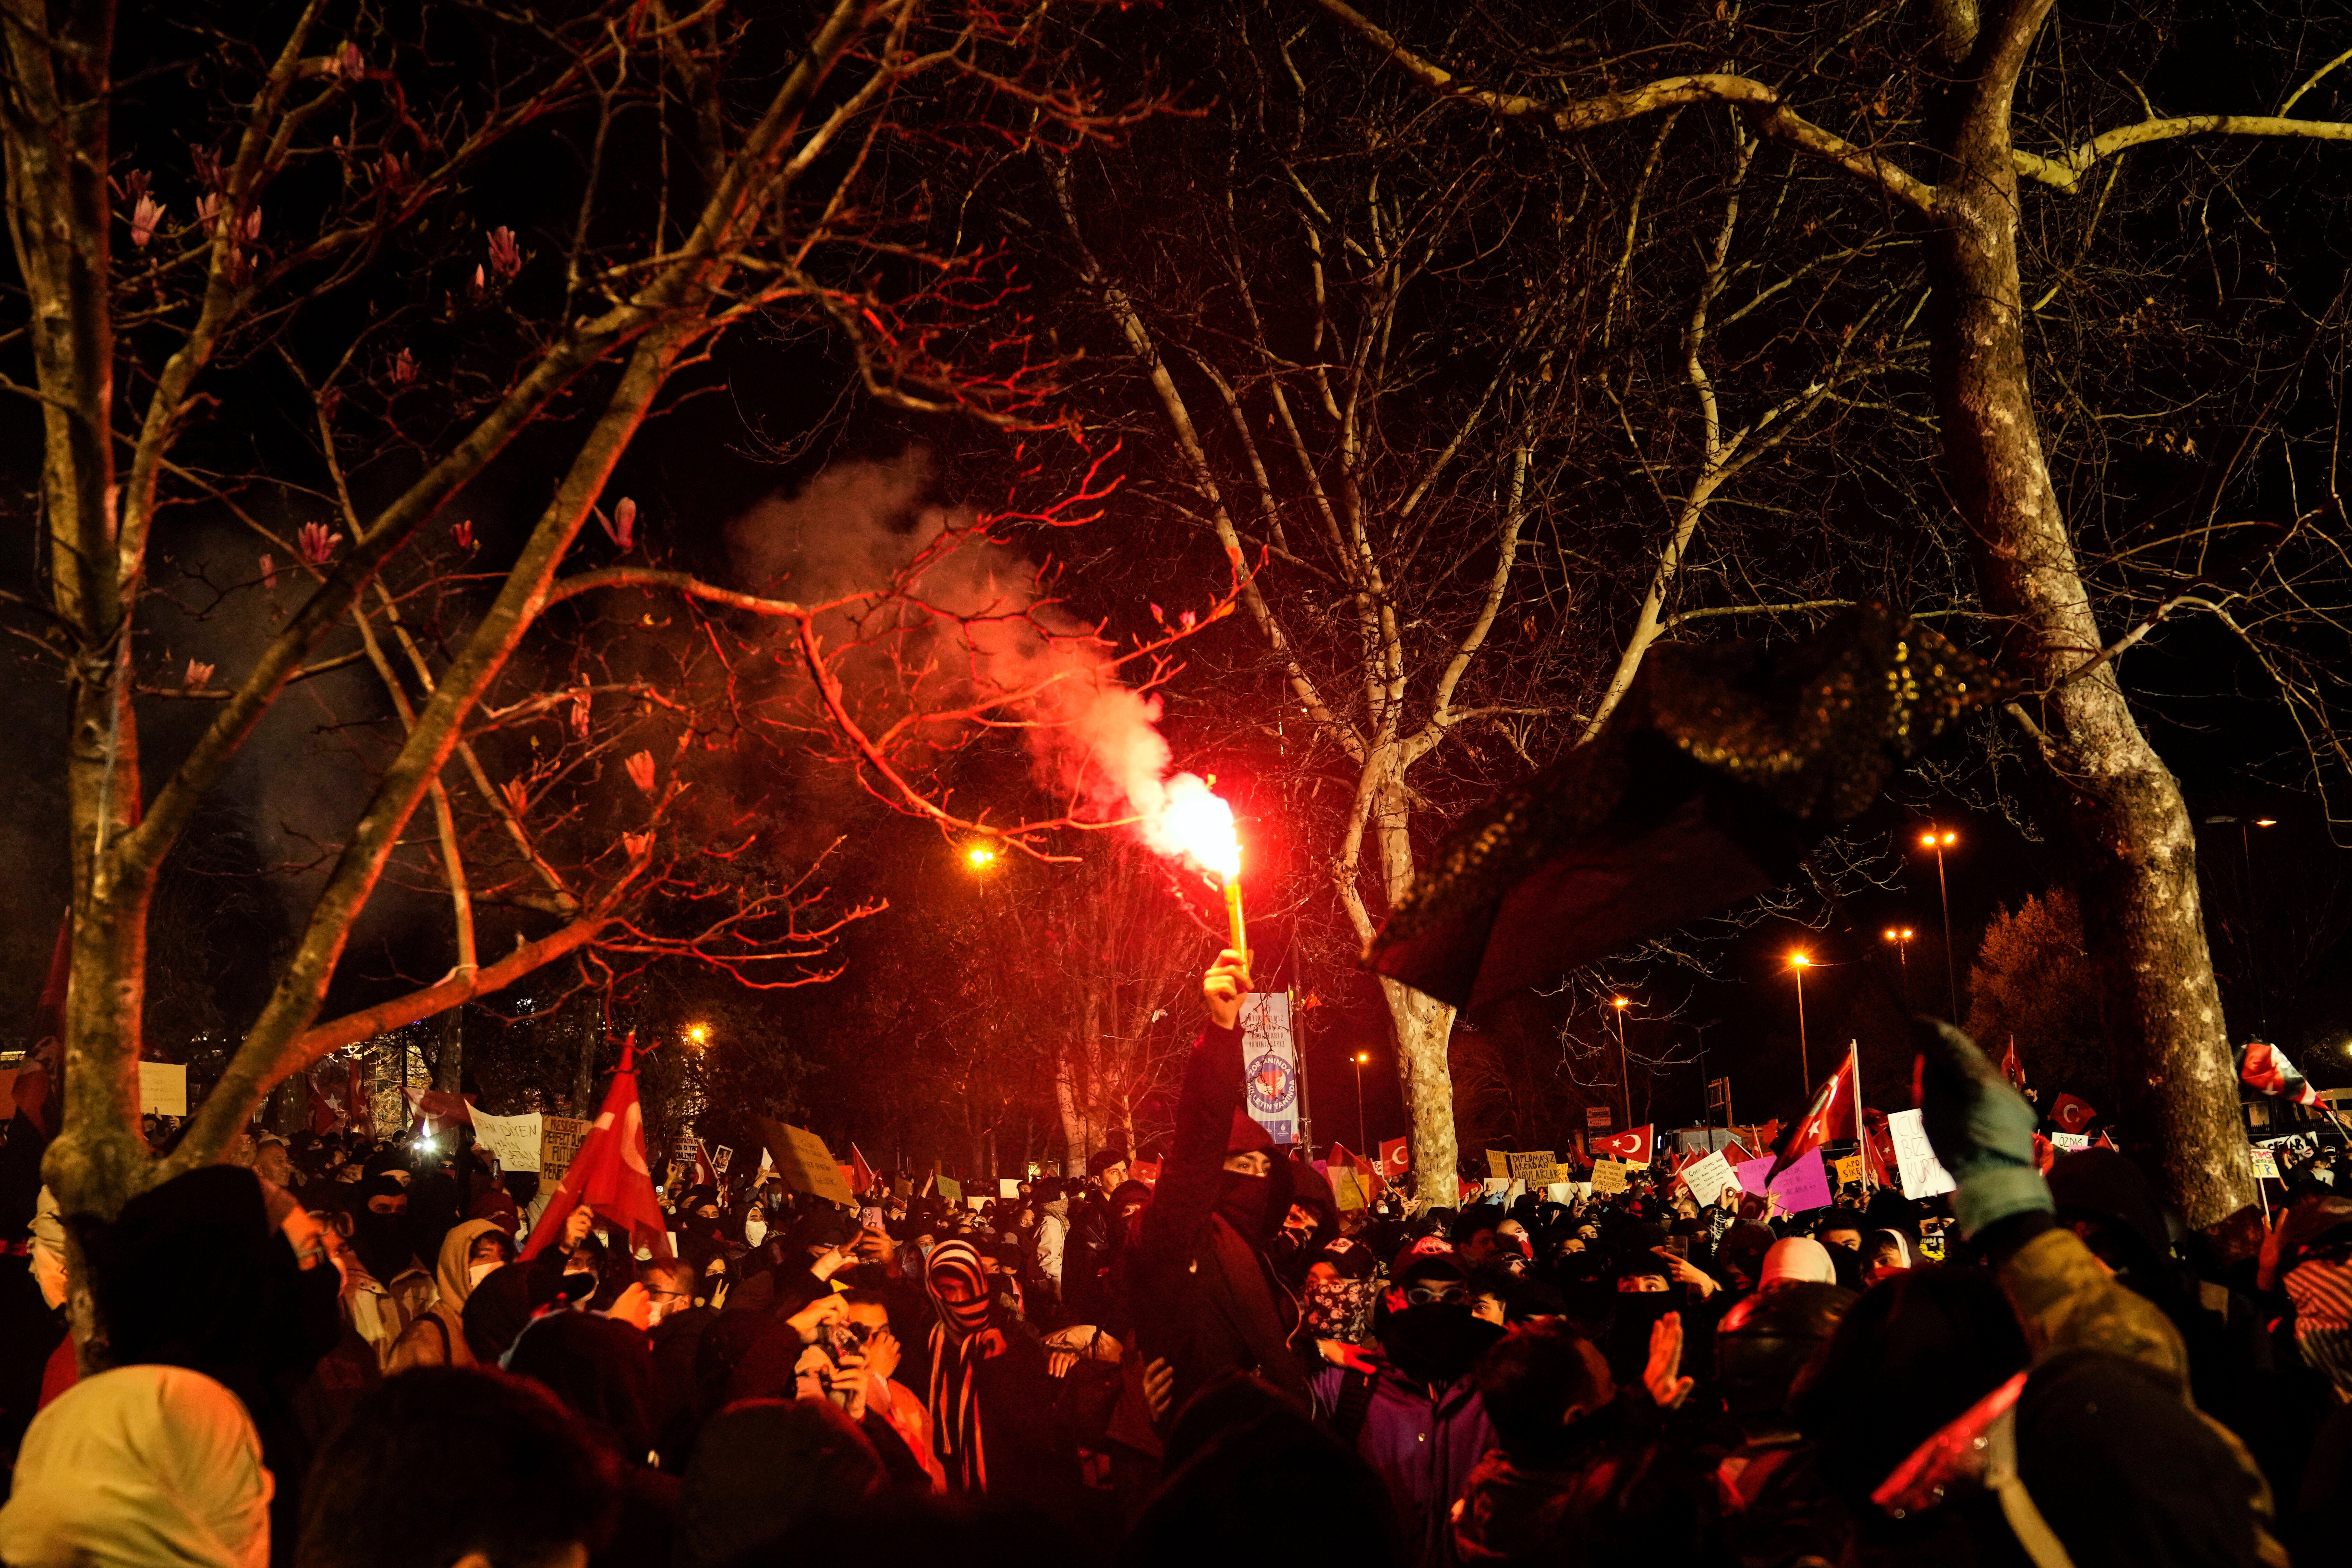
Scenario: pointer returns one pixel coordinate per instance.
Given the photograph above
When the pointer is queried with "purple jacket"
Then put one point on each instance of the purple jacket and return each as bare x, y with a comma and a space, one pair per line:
1422, 1449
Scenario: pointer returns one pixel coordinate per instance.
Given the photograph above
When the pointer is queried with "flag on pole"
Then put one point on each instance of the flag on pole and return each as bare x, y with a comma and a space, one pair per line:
861, 1175
1396, 1157
1633, 1144
706, 1175
2011, 1069
609, 1173
2265, 1066
1832, 1116
324, 1118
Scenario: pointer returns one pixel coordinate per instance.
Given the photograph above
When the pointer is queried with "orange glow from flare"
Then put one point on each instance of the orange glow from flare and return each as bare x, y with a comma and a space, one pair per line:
1200, 826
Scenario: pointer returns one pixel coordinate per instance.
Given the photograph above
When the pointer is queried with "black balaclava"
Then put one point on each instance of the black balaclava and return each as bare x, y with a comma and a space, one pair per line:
382, 1240
1243, 1201
1435, 1342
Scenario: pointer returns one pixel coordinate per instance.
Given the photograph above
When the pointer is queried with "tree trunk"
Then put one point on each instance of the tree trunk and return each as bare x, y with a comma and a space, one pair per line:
1422, 1027
2111, 800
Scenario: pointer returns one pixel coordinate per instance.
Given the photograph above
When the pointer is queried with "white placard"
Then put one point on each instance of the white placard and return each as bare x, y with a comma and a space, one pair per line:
1923, 1174
2072, 1143
163, 1088
2266, 1163
514, 1140
1707, 1176
1006, 1187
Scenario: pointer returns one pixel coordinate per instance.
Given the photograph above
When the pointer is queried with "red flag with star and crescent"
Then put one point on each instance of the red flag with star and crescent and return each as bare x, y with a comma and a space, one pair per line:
1633, 1144
1831, 1117
609, 1172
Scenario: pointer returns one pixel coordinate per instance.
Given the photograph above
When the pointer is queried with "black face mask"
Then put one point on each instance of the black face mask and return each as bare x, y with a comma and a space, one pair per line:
1436, 1342
382, 1241
1242, 1200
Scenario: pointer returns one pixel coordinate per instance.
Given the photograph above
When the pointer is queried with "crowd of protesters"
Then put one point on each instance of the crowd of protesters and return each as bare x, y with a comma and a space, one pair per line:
341, 1356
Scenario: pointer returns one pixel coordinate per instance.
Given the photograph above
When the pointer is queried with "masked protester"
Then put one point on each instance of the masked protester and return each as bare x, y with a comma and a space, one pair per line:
1411, 1409
1205, 1298
472, 1251
990, 1396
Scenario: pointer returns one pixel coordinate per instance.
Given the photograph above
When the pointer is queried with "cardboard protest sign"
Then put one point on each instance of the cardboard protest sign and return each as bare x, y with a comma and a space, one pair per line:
512, 1140
560, 1138
1706, 1176
1347, 1190
1006, 1187
1805, 1185
950, 1189
1497, 1163
2071, 1142
1915, 1157
162, 1088
1609, 1175
804, 1163
1534, 1168
1849, 1169
2266, 1163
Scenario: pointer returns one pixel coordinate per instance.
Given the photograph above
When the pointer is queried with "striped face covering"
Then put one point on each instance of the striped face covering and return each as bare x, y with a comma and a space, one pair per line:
961, 1340
2322, 1293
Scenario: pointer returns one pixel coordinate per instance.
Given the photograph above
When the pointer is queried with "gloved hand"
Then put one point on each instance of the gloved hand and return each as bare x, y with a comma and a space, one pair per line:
1982, 1129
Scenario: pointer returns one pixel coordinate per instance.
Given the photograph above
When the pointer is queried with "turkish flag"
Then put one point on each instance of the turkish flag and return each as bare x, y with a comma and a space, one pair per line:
861, 1179
609, 1173
2265, 1067
2011, 1069
1832, 1115
1634, 1145
706, 1175
1396, 1157
1346, 1159
324, 1118
2072, 1114
357, 1117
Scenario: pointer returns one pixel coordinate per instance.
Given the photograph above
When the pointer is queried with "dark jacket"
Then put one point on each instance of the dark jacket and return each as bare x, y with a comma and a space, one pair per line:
1202, 1293
1423, 1445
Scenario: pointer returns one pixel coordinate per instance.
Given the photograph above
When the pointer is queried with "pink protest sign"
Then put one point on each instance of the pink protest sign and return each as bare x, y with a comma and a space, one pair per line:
1803, 1185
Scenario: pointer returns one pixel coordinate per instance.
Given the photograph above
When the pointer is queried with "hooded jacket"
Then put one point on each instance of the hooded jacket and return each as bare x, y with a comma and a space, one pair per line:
437, 1337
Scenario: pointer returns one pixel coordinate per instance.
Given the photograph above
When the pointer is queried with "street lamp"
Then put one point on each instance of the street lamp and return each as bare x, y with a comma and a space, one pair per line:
1901, 937
1624, 1078
1939, 840
1800, 962
1361, 1057
2246, 885
980, 857
698, 1034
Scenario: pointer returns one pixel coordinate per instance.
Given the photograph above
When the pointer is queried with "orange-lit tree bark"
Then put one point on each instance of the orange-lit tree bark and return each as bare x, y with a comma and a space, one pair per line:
2129, 836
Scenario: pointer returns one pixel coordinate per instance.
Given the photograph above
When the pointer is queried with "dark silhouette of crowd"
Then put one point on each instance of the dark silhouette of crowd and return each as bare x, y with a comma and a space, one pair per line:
338, 1356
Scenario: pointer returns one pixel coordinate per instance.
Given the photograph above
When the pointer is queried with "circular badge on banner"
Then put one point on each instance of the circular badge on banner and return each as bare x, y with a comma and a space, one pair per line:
1272, 1082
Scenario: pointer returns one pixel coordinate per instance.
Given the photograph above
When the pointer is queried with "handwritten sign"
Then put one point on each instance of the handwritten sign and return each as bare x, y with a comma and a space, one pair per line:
1534, 1169
2072, 1143
950, 1189
1849, 1169
1609, 1175
1922, 1173
2266, 1163
1347, 1190
1498, 1163
514, 1141
1805, 1185
1708, 1177
806, 1165
164, 1088
560, 1138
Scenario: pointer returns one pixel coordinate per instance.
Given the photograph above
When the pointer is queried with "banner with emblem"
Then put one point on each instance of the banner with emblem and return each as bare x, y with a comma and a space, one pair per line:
1270, 1064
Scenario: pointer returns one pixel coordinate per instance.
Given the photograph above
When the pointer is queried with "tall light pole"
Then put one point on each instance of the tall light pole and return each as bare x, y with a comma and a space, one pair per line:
1361, 1057
2246, 888
1940, 840
1800, 962
1901, 937
1624, 1079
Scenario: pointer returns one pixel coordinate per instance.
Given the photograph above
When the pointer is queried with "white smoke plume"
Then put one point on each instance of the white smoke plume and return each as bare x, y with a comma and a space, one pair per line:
979, 620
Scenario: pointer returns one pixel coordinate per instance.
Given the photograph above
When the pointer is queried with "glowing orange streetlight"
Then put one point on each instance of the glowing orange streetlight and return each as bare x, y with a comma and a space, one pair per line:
1361, 1057
697, 1034
1937, 841
981, 857
1797, 963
